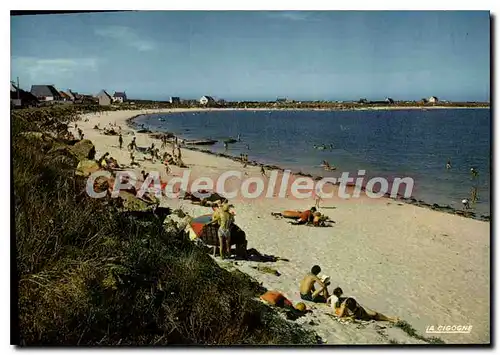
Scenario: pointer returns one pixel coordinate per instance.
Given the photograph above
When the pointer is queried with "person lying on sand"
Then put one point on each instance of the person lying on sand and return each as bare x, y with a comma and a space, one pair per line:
276, 298
306, 216
307, 289
349, 308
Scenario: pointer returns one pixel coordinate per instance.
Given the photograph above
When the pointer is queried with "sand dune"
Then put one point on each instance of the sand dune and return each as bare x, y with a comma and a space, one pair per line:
424, 266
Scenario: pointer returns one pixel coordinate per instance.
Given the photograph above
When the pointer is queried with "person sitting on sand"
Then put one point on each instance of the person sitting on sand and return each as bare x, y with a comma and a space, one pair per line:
144, 175
103, 160
349, 308
225, 219
307, 289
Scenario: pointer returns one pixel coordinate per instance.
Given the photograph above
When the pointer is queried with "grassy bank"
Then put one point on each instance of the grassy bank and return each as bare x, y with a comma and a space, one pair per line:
90, 275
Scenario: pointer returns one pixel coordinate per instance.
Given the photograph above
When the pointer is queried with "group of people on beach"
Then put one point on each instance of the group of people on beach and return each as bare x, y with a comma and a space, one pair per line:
466, 202
314, 288
168, 159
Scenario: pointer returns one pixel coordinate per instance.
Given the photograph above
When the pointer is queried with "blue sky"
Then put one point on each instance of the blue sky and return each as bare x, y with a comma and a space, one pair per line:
327, 55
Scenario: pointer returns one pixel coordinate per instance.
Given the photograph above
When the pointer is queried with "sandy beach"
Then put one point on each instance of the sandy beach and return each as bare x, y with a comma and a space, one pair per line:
426, 267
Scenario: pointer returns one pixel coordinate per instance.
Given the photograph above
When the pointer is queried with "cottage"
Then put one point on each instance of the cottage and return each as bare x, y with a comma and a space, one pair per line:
65, 96
119, 97
433, 99
206, 100
104, 98
45, 93
21, 98
175, 100
73, 96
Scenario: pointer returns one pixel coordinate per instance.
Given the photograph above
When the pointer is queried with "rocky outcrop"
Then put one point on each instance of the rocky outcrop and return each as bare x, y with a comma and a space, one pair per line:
86, 167
83, 149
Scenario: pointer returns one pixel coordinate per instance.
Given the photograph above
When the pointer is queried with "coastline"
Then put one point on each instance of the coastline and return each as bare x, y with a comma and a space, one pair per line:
410, 200
399, 259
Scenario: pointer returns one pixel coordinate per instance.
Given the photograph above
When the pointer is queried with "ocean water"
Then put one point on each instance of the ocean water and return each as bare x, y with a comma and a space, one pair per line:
397, 143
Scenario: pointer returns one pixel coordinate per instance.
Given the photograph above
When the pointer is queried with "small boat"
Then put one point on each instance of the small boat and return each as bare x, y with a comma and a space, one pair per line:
201, 142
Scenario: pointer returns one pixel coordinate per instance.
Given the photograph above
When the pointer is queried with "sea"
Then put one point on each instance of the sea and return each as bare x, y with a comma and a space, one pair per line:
384, 143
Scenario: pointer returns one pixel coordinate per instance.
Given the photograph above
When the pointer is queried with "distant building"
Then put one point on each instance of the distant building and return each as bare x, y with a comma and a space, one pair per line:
85, 99
207, 100
175, 100
104, 98
433, 99
73, 96
119, 97
21, 98
389, 101
45, 93
281, 99
64, 96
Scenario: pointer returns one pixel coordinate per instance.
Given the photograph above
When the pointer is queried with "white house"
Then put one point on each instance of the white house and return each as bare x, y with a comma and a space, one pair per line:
433, 99
119, 97
205, 100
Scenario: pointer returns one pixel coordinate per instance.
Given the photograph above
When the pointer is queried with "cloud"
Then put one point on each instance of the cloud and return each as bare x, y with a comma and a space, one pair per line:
52, 69
126, 36
290, 15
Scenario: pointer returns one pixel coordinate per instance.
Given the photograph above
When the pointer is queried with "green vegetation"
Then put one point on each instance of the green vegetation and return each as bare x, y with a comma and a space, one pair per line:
91, 275
408, 329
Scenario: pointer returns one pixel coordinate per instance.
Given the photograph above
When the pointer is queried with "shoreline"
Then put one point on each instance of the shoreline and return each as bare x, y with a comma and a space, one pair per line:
393, 257
410, 200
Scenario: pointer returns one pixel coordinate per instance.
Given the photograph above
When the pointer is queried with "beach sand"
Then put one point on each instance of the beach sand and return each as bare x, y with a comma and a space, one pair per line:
426, 267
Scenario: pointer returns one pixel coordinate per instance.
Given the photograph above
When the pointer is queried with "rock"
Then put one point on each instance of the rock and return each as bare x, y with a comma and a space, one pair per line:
86, 167
84, 149
131, 202
180, 223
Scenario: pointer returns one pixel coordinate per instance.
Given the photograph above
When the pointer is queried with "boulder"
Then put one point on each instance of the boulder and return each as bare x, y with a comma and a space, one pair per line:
84, 149
86, 167
131, 202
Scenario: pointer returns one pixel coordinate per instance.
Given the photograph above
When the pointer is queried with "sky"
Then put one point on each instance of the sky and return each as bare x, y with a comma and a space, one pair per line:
258, 55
